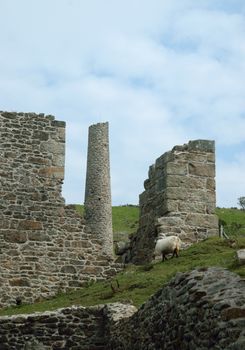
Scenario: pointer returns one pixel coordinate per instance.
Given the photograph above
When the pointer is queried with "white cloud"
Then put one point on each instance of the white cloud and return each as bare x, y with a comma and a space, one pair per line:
161, 72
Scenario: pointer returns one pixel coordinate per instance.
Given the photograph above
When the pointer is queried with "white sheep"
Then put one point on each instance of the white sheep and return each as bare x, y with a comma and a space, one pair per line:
167, 245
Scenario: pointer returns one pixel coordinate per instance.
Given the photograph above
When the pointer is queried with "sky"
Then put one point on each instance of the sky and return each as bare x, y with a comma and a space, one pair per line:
161, 72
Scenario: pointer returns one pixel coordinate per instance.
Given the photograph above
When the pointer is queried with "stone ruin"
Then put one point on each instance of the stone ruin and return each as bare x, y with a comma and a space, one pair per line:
46, 247
179, 199
201, 309
98, 212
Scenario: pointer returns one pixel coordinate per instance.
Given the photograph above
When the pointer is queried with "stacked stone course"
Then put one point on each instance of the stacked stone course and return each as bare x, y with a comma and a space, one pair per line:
179, 198
203, 309
70, 328
98, 213
44, 245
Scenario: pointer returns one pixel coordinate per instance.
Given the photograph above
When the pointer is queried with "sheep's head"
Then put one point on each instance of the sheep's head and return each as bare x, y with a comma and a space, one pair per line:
160, 236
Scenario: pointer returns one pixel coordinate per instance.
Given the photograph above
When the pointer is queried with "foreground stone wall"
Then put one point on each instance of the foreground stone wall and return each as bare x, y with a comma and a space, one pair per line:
71, 328
203, 309
44, 245
179, 198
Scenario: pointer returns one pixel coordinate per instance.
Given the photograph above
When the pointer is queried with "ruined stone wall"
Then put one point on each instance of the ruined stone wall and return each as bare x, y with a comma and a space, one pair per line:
70, 328
97, 205
203, 309
44, 245
179, 198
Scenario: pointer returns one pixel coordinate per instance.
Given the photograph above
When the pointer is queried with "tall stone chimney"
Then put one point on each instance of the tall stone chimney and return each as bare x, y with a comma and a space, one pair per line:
98, 212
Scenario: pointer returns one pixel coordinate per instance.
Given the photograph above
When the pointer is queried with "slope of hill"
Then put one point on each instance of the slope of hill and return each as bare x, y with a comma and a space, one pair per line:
233, 220
138, 283
125, 220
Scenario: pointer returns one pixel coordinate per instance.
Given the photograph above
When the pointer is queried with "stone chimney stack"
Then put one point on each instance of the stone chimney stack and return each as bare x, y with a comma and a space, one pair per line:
98, 212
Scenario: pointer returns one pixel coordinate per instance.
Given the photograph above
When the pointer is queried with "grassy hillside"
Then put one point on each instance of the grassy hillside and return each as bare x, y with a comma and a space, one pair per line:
233, 220
125, 220
138, 283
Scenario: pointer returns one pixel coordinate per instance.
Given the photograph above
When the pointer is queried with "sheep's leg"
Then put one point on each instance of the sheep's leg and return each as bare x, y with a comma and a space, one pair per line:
163, 257
175, 253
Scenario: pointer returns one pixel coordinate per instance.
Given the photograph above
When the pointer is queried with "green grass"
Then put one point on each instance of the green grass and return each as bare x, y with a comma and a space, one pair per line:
233, 220
231, 215
80, 209
124, 221
138, 283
